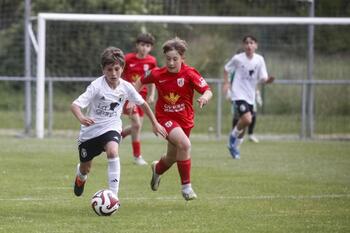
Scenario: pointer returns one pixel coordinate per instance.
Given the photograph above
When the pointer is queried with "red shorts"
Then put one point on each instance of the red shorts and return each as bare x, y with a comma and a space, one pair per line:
136, 110
169, 124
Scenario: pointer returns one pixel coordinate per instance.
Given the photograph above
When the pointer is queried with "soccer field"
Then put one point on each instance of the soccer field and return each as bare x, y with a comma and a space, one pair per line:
277, 186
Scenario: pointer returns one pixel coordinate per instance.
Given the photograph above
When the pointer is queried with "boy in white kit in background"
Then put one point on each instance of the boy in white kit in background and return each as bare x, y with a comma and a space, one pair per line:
101, 125
250, 69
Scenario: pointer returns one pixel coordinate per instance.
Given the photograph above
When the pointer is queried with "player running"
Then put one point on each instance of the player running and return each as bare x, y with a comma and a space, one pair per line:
100, 129
176, 83
250, 69
136, 65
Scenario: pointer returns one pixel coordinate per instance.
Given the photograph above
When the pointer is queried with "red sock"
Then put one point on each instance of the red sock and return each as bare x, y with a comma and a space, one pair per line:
184, 168
136, 148
161, 167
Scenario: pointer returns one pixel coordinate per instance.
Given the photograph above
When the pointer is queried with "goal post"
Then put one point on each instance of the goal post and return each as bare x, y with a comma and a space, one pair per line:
44, 17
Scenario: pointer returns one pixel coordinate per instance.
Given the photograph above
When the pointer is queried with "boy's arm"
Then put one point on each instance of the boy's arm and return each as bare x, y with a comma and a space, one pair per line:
157, 128
80, 116
138, 85
151, 93
226, 86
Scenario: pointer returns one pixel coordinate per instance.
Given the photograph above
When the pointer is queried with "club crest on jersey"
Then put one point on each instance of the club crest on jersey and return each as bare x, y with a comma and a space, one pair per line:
172, 98
135, 77
145, 67
180, 82
147, 73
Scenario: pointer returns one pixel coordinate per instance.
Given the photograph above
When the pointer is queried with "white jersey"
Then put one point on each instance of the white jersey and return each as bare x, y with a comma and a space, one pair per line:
248, 73
105, 105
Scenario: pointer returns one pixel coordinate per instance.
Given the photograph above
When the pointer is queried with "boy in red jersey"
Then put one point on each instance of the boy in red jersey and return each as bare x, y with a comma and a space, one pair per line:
136, 65
176, 83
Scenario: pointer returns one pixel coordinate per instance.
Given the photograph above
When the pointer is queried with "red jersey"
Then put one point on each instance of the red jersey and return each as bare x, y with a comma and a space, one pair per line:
175, 93
135, 68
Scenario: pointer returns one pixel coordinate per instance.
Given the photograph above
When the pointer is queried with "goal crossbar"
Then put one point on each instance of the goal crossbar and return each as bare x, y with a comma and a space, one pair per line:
43, 17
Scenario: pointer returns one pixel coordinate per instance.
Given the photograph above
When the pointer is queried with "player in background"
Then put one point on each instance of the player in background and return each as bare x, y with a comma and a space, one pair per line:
235, 118
250, 70
136, 65
176, 83
101, 125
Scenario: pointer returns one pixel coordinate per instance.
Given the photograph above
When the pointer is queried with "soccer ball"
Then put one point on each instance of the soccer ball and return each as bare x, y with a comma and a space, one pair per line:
104, 202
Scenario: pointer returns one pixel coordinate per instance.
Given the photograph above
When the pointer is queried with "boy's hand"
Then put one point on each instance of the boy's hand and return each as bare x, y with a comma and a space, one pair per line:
159, 129
87, 121
202, 101
130, 107
270, 79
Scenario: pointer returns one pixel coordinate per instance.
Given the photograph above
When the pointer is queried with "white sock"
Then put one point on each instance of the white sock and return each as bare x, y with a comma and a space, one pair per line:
81, 176
186, 186
235, 132
114, 174
238, 142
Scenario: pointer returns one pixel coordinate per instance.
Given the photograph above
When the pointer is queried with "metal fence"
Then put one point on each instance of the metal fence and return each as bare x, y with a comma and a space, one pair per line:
219, 123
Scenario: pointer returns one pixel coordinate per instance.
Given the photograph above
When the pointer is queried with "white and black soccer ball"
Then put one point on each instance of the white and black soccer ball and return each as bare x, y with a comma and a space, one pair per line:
104, 202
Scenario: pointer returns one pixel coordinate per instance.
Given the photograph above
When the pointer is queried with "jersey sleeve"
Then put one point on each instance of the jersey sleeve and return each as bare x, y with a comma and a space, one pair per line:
230, 66
263, 71
133, 95
198, 82
84, 99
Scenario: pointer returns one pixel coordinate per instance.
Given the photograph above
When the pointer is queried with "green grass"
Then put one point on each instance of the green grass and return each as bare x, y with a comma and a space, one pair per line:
285, 186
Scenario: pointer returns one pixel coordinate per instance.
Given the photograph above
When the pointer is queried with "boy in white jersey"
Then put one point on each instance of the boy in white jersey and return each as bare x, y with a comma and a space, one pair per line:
250, 69
101, 125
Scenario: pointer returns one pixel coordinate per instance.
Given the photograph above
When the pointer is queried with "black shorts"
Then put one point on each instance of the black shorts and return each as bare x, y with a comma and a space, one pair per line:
241, 107
95, 146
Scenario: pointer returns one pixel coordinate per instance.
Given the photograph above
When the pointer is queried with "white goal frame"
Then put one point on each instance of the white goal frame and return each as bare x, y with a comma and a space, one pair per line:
43, 17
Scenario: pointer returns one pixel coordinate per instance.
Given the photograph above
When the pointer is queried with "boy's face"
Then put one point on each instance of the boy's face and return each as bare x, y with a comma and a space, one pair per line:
250, 46
173, 61
112, 73
143, 48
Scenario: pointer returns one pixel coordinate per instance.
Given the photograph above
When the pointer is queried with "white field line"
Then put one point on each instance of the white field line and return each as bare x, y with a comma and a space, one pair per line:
174, 198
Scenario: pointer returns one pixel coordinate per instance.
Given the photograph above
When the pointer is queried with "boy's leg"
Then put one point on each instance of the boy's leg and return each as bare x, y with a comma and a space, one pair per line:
111, 149
136, 126
182, 146
237, 134
251, 127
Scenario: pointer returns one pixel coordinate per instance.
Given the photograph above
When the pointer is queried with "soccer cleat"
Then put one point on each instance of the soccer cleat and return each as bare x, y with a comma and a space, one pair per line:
139, 161
155, 177
78, 186
189, 194
252, 138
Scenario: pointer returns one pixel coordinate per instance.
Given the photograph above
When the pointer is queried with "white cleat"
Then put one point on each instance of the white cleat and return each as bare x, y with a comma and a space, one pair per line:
155, 177
189, 194
139, 161
252, 138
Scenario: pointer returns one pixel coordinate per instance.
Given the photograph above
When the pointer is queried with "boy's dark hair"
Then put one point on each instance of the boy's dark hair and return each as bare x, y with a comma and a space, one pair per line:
175, 44
245, 38
112, 55
145, 38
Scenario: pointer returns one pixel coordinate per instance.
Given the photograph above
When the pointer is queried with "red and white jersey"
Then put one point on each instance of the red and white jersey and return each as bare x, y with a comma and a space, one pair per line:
135, 68
175, 93
104, 105
247, 74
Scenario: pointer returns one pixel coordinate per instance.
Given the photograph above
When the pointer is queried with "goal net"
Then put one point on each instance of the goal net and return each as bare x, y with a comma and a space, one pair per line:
69, 48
